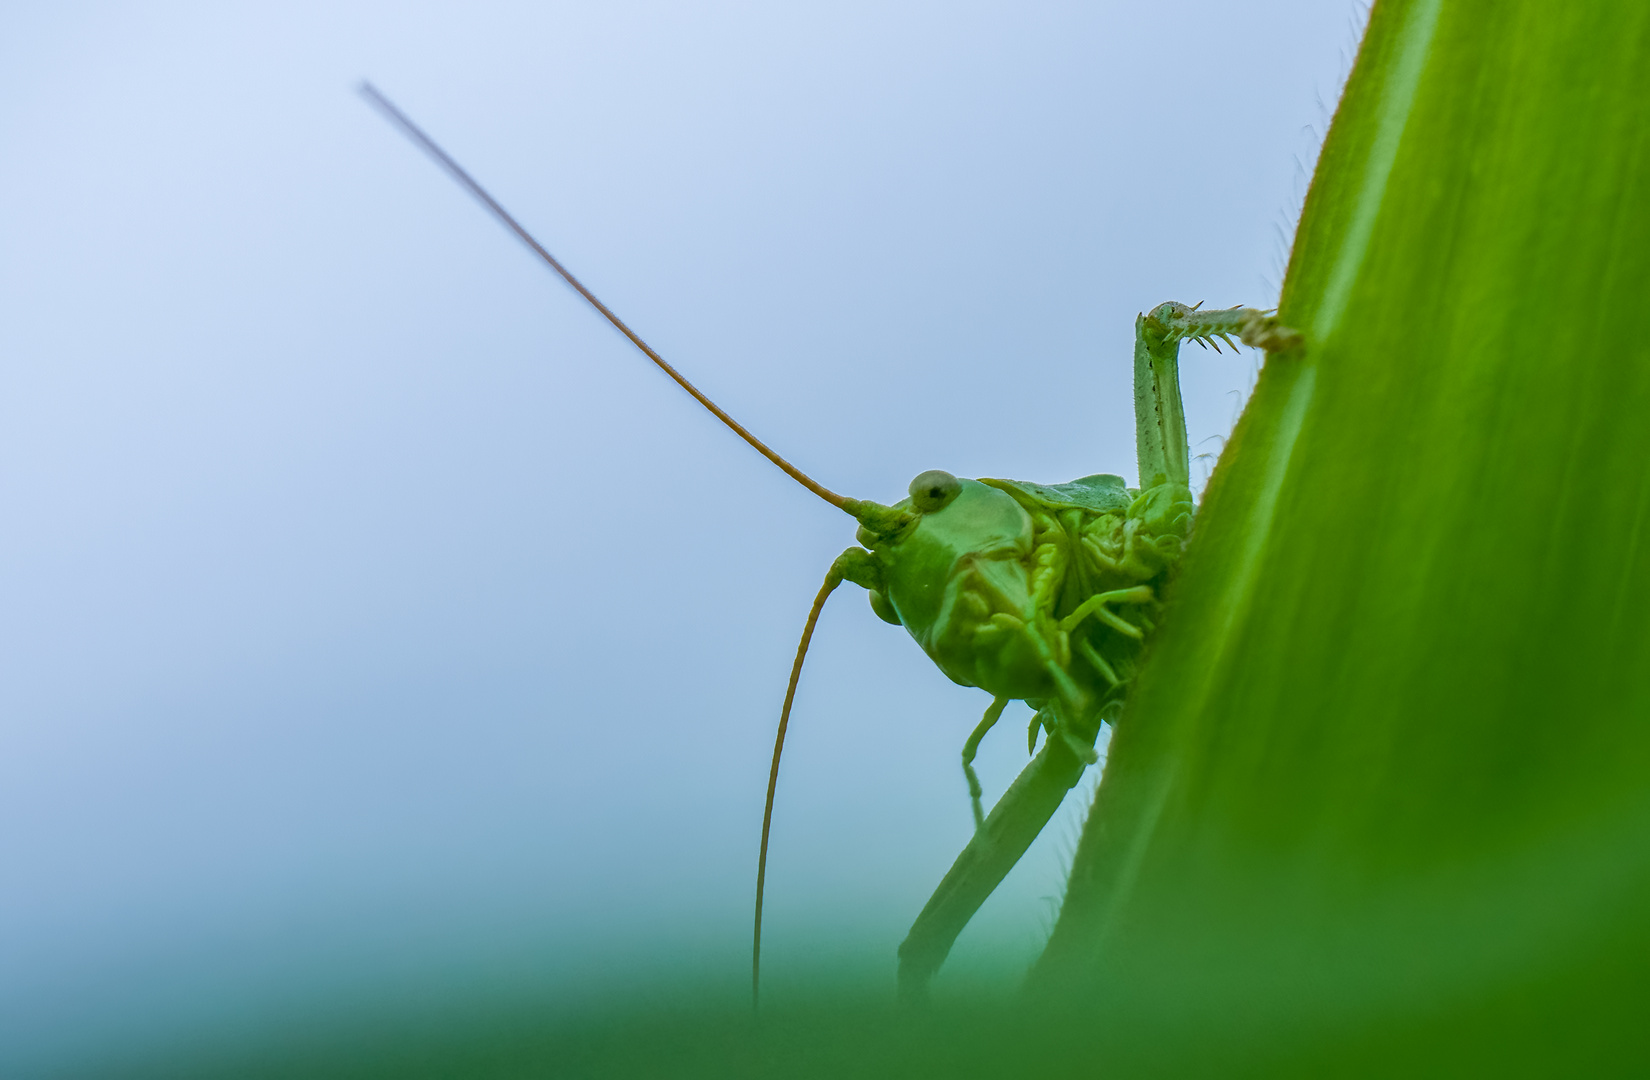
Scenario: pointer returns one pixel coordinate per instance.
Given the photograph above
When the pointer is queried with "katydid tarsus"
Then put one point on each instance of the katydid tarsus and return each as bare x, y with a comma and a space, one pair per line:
1042, 593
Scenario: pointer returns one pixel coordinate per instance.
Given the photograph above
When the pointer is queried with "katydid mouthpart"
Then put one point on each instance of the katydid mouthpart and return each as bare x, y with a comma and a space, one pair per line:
1042, 593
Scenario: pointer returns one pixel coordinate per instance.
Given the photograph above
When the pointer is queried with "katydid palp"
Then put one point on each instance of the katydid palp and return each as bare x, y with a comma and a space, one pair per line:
1043, 593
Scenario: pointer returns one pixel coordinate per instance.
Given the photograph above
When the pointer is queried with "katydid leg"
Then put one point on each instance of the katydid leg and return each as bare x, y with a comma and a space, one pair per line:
992, 713
997, 845
1159, 415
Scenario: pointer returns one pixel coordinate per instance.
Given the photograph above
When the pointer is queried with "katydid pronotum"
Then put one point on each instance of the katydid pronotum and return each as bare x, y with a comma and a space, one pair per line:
1042, 593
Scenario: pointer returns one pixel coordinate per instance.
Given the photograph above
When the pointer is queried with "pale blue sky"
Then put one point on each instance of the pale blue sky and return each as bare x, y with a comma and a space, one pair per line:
372, 617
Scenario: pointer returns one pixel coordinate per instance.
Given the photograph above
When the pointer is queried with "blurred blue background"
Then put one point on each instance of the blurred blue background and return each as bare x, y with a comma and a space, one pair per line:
374, 623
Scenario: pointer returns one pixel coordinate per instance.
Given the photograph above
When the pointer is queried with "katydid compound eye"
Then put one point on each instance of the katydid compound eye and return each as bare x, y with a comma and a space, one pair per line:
933, 490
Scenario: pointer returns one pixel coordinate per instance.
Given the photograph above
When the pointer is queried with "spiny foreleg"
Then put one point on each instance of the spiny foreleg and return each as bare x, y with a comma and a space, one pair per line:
1159, 417
1255, 328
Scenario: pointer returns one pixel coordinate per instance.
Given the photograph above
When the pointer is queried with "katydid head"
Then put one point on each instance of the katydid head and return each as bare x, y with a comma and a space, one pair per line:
957, 574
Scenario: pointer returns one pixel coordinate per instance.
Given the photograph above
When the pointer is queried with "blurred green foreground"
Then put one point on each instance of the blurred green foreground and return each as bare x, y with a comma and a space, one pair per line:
1381, 804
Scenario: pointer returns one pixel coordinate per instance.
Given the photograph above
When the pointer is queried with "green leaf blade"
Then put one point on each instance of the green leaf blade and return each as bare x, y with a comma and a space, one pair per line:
1391, 754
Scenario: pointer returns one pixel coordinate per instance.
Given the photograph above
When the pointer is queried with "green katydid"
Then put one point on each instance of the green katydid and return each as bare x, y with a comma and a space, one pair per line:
1032, 592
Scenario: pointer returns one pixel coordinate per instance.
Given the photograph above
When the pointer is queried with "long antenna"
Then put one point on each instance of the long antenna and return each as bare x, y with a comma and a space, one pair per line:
832, 580
414, 132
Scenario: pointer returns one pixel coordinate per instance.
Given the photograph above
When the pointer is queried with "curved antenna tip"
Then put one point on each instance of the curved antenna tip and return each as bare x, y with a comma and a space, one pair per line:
832, 580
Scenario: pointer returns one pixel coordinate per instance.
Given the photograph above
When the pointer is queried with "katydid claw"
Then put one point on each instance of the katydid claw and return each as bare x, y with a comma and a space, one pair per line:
1263, 331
